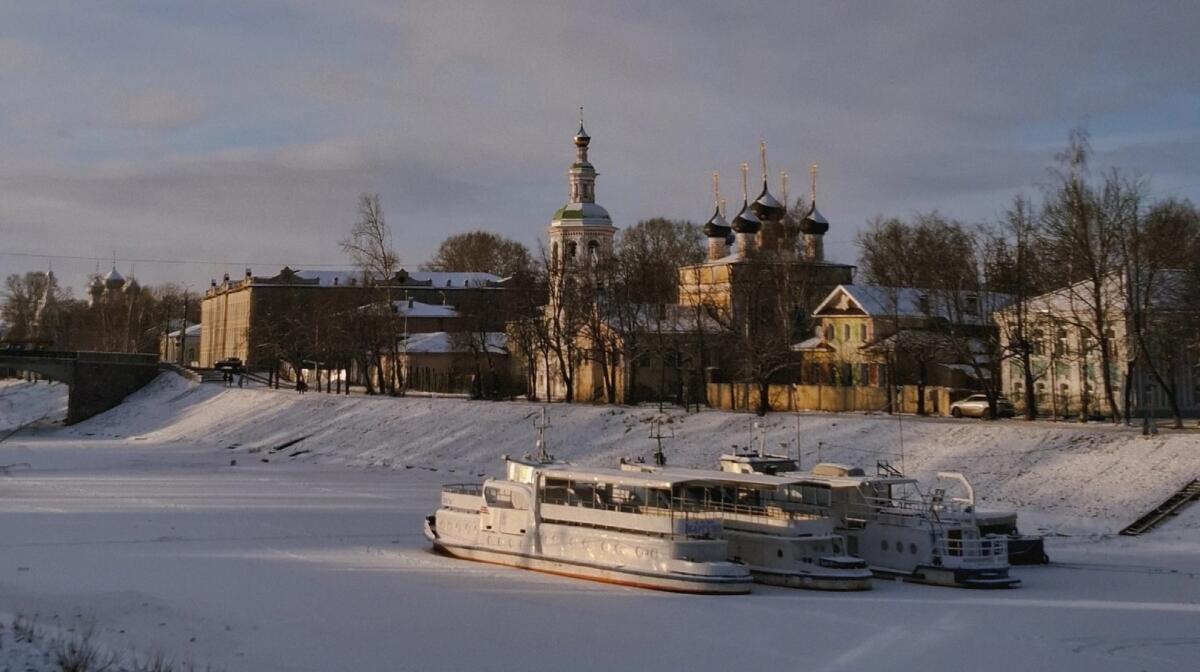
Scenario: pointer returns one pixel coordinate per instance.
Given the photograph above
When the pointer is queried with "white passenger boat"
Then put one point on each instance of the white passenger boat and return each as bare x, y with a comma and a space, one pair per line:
896, 528
771, 527
607, 525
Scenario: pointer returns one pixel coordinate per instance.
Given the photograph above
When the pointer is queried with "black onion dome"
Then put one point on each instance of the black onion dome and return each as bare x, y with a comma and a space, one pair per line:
814, 223
746, 221
766, 207
716, 226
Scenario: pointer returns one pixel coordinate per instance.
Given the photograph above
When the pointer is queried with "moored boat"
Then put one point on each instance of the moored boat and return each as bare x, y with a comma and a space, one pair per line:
899, 530
770, 527
606, 525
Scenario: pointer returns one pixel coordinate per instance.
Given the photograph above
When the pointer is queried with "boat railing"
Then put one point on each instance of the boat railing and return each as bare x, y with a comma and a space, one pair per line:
463, 489
768, 513
988, 551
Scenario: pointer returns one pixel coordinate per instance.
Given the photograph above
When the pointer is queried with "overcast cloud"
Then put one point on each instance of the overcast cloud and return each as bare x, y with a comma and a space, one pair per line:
243, 132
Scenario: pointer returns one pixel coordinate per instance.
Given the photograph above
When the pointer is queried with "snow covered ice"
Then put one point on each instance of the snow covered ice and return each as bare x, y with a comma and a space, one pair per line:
314, 559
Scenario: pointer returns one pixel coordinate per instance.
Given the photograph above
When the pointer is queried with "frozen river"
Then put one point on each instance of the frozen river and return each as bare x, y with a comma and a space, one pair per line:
308, 567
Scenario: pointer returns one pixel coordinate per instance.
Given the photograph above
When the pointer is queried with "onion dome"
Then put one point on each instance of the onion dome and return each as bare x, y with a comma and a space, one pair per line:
766, 207
814, 223
716, 226
746, 221
114, 280
582, 138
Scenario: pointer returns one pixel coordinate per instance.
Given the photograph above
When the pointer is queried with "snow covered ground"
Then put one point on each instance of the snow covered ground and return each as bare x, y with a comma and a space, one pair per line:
288, 560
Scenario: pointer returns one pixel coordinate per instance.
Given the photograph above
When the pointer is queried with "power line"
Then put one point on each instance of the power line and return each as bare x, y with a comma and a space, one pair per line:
196, 262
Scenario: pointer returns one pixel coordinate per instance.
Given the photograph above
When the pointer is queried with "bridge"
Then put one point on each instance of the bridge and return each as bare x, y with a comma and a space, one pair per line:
98, 380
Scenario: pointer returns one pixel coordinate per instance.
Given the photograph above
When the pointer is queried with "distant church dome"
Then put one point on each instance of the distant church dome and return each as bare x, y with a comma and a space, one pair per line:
746, 221
814, 223
114, 280
766, 207
716, 226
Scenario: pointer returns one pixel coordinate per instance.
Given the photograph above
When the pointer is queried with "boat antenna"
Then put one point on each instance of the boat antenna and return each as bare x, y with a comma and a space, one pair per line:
660, 458
799, 450
541, 423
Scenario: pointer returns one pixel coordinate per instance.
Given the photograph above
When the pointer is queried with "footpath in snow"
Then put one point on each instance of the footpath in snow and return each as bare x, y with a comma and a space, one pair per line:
1075, 478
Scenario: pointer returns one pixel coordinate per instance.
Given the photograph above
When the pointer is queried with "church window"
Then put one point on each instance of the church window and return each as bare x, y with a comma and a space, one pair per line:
593, 249
862, 332
829, 332
846, 332
572, 250
554, 254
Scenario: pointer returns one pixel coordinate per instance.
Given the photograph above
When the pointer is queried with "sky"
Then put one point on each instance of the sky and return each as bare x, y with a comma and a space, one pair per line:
195, 139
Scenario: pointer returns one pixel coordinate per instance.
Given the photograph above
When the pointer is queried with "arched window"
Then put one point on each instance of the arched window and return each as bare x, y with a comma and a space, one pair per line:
593, 248
554, 254
572, 250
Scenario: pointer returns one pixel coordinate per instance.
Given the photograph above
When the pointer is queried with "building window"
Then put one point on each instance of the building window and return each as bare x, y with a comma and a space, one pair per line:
1060, 343
593, 249
554, 254
830, 332
863, 375
572, 250
863, 333
1037, 342
972, 305
846, 332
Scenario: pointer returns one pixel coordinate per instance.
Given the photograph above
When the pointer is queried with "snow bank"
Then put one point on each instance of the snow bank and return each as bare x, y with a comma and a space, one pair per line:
22, 403
1086, 477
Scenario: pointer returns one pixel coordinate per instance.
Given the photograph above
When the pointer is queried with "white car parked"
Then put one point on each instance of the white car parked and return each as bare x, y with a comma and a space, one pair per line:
976, 406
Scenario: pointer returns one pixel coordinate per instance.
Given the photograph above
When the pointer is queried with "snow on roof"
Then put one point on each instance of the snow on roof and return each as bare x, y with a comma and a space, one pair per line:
418, 309
910, 302
812, 343
454, 279
192, 330
452, 343
333, 277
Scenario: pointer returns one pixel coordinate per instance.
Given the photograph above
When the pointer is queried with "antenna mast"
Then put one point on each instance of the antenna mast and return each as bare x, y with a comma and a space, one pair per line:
541, 423
660, 458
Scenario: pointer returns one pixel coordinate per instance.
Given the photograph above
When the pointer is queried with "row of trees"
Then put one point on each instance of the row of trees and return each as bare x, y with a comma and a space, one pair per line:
1115, 260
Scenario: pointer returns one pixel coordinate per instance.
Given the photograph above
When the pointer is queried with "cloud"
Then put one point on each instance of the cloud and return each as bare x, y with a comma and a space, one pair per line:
156, 109
190, 131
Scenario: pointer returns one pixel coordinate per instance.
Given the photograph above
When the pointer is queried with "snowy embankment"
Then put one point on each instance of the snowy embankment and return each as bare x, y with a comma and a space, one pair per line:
1072, 477
22, 403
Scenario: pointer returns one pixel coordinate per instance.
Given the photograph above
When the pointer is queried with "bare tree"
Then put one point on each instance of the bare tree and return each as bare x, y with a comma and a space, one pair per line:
370, 245
1080, 231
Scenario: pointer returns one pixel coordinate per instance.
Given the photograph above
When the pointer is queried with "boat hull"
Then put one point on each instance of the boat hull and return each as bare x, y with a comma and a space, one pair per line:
952, 578
812, 581
670, 582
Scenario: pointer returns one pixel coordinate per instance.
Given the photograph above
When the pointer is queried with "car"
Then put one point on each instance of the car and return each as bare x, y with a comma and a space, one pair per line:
233, 364
976, 406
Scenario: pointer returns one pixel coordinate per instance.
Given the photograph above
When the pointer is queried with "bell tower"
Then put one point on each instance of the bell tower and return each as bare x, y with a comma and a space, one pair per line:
581, 231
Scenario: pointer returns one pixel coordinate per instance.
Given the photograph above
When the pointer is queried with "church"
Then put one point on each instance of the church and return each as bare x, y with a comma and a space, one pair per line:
738, 311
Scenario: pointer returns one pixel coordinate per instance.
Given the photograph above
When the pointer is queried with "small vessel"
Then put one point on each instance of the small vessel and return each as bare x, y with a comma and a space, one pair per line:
634, 529
899, 530
771, 527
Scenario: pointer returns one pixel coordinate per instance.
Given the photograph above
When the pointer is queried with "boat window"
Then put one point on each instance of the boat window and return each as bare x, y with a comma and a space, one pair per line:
497, 497
555, 491
658, 499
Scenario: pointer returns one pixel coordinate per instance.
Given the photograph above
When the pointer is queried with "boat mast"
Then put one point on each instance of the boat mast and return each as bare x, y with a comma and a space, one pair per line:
541, 423
660, 458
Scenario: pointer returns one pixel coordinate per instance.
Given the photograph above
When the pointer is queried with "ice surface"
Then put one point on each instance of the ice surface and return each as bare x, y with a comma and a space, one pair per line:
137, 519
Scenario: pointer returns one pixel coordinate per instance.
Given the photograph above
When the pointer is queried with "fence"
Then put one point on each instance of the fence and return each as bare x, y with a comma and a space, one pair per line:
831, 398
